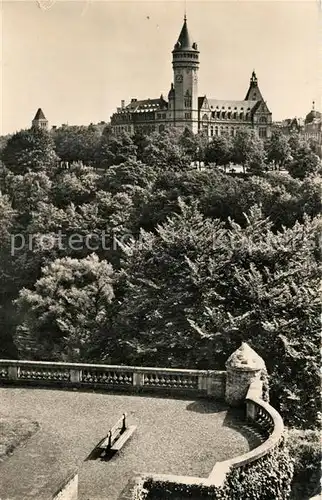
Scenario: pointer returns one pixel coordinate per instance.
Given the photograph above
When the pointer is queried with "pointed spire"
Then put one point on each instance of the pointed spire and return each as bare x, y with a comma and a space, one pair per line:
171, 92
40, 121
253, 79
253, 93
40, 115
184, 40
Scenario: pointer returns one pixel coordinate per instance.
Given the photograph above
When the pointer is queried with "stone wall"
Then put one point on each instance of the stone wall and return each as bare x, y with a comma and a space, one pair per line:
127, 378
69, 489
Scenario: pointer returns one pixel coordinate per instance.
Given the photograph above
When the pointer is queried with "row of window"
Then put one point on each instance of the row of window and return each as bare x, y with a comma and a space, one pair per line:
122, 128
229, 115
186, 55
231, 131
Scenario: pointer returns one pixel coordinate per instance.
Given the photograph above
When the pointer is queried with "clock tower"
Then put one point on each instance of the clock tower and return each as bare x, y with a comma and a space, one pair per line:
185, 63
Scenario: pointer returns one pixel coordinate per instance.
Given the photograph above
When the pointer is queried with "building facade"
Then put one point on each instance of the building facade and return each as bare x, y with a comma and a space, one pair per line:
185, 109
310, 128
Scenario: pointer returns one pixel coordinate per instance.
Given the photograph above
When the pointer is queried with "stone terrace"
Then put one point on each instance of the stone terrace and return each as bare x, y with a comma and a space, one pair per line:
173, 436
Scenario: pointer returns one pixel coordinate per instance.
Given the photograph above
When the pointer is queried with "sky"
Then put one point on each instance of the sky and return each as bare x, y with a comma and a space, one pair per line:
78, 59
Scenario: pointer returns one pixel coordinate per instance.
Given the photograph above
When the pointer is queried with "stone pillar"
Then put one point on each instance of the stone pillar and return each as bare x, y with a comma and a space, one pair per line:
243, 367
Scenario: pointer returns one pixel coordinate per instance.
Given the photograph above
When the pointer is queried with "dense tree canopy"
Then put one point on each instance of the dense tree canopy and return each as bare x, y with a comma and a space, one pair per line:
278, 148
65, 312
77, 143
124, 252
29, 150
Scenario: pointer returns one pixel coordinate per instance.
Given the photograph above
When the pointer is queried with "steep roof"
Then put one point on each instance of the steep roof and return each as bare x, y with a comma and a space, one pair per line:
136, 106
312, 116
184, 41
253, 89
40, 115
225, 105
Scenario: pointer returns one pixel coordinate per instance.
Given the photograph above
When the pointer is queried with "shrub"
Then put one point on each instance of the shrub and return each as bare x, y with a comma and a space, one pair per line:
305, 450
269, 478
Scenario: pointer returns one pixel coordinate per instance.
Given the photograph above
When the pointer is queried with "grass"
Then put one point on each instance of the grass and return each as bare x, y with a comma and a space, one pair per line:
13, 432
173, 436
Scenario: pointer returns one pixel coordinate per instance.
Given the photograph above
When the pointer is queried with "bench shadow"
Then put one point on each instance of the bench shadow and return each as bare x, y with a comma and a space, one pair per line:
96, 454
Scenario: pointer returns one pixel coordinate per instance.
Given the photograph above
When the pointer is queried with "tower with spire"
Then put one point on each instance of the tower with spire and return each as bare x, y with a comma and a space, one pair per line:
185, 110
185, 63
40, 121
253, 94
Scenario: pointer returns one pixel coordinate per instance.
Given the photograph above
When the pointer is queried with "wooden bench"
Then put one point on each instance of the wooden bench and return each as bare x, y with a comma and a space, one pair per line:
117, 436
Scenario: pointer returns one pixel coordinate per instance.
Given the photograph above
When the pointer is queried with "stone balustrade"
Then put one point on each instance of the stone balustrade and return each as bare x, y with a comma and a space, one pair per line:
201, 382
263, 416
241, 384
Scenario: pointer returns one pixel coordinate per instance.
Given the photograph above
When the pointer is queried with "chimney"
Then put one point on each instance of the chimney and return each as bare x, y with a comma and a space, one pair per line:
133, 100
122, 104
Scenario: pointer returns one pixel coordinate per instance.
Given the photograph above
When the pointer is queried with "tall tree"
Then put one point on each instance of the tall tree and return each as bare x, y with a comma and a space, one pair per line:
197, 289
29, 151
77, 143
304, 163
164, 151
114, 150
65, 313
248, 150
219, 150
278, 149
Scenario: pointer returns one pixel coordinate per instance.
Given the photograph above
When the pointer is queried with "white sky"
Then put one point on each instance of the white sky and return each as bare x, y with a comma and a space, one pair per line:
78, 59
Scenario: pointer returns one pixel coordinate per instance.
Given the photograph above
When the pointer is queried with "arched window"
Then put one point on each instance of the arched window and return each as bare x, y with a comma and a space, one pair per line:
263, 119
187, 99
241, 115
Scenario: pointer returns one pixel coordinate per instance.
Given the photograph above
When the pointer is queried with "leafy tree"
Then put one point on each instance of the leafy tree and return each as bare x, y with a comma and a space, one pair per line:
194, 144
29, 150
163, 150
197, 289
114, 150
248, 150
65, 313
7, 317
278, 149
126, 175
77, 143
304, 163
26, 191
76, 184
219, 150
3, 141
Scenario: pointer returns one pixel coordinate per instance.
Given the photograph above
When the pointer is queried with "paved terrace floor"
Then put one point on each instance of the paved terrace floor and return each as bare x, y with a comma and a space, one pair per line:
173, 436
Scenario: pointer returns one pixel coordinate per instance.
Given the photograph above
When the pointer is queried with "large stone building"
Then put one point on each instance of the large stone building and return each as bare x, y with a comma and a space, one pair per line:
186, 109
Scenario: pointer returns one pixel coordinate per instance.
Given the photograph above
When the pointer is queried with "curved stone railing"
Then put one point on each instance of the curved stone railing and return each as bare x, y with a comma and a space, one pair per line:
262, 415
259, 413
203, 382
